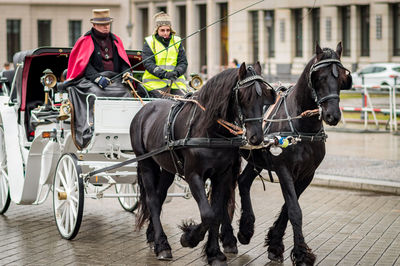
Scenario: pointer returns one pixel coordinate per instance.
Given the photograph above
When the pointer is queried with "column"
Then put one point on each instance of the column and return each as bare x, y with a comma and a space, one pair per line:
212, 40
380, 42
307, 34
262, 39
192, 43
151, 12
355, 35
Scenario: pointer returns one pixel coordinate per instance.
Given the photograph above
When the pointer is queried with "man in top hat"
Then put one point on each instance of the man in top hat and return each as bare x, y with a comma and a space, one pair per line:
97, 51
164, 70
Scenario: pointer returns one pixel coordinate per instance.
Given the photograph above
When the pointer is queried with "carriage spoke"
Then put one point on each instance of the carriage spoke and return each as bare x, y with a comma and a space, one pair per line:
62, 179
60, 205
58, 189
67, 212
72, 215
74, 199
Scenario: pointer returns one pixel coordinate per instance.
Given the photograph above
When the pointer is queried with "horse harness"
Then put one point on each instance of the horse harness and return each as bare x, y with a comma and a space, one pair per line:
177, 107
317, 66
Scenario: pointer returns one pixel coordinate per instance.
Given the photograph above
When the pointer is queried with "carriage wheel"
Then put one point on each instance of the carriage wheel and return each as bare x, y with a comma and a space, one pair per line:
68, 196
4, 187
128, 203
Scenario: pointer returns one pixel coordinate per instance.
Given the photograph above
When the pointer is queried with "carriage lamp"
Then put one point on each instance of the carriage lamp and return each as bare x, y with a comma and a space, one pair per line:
196, 82
48, 80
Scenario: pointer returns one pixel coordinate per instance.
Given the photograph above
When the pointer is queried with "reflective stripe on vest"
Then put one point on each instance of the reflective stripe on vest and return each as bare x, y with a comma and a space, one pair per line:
166, 60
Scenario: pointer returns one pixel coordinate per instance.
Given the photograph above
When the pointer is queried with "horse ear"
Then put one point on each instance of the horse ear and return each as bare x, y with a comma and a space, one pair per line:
318, 51
242, 71
339, 49
257, 67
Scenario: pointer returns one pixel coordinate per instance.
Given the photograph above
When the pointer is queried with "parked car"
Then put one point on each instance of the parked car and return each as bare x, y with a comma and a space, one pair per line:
378, 74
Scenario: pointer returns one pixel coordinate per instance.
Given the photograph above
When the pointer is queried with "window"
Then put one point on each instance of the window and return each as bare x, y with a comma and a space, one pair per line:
396, 29
144, 22
379, 69
282, 30
270, 24
74, 31
182, 22
345, 16
367, 70
298, 30
397, 69
223, 7
44, 32
328, 29
378, 27
316, 16
162, 8
13, 38
364, 17
254, 31
203, 37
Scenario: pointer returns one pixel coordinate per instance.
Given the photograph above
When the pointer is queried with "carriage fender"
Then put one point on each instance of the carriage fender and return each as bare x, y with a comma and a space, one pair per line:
50, 155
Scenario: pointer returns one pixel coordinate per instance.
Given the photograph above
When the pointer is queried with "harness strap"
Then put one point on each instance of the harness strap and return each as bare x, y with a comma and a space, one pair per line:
211, 143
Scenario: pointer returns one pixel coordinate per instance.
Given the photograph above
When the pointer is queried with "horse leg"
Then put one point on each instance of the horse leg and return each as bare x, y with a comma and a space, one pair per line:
164, 183
151, 180
301, 253
276, 232
247, 218
219, 201
194, 233
229, 241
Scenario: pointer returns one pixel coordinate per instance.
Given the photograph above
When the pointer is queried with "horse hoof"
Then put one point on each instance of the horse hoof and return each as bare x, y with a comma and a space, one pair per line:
242, 239
231, 250
218, 263
151, 245
276, 258
164, 255
184, 241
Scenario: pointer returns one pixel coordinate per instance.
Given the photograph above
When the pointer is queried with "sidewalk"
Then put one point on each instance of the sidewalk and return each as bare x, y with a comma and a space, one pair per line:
363, 161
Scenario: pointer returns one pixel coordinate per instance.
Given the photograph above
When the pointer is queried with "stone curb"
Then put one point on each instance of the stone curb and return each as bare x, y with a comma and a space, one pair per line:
356, 183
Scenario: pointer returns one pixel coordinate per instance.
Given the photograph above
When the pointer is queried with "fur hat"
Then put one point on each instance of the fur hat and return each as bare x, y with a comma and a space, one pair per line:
101, 16
162, 19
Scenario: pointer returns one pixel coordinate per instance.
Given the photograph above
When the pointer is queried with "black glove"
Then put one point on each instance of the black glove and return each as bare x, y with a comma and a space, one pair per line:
173, 75
102, 81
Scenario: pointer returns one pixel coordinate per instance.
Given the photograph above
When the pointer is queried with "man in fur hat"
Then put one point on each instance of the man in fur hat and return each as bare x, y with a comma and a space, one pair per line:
164, 70
97, 51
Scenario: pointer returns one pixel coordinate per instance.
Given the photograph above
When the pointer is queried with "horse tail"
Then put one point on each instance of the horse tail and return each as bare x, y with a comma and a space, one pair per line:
143, 211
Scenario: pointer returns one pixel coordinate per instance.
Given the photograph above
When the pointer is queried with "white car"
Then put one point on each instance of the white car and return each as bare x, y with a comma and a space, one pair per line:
378, 74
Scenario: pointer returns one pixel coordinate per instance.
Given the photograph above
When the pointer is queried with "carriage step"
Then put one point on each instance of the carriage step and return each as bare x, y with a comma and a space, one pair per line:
102, 164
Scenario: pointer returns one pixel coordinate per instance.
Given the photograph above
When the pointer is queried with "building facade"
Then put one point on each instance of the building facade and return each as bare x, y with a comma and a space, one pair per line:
28, 24
279, 34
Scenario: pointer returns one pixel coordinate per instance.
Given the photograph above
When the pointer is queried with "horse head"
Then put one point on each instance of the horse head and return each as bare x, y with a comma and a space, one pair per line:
327, 76
252, 93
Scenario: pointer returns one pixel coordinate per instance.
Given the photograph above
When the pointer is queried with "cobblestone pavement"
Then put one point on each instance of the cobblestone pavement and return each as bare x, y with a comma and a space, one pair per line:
341, 226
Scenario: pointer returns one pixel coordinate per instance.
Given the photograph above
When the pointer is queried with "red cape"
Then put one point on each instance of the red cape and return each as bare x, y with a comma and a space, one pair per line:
83, 49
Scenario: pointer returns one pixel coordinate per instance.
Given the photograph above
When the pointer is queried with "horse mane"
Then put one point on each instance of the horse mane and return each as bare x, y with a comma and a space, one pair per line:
215, 96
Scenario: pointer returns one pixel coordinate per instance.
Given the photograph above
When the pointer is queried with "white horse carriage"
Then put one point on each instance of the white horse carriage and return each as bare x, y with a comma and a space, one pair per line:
46, 143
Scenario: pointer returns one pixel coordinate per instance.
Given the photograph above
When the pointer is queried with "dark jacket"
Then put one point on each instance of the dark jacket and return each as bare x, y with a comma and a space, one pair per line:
150, 64
95, 65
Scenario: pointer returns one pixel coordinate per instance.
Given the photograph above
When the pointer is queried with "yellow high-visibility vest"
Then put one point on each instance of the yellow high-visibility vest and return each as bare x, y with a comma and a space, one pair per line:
167, 60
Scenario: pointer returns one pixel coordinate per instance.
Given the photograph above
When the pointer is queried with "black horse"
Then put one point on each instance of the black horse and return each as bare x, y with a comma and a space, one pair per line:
318, 87
236, 96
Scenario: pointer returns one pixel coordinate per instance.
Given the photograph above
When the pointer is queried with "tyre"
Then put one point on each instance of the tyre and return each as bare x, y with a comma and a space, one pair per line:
128, 203
4, 186
68, 196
